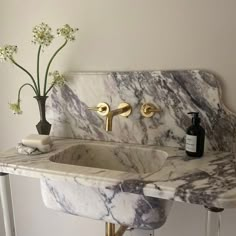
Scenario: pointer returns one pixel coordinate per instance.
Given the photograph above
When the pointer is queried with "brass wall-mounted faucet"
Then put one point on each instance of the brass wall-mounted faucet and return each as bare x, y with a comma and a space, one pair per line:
124, 109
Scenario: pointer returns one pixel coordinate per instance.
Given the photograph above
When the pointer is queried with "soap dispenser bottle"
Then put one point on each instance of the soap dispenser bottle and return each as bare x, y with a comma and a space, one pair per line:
195, 137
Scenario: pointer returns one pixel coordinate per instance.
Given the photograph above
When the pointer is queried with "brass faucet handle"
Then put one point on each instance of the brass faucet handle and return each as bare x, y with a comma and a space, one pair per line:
127, 109
102, 108
148, 110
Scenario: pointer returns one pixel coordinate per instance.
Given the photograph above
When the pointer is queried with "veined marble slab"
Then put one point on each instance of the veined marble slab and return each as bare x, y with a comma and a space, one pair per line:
207, 181
176, 92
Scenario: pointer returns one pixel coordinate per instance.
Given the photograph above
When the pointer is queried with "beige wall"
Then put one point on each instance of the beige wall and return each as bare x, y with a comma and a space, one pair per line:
114, 35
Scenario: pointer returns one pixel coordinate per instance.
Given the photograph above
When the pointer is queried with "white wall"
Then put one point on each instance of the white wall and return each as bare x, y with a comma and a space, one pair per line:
114, 35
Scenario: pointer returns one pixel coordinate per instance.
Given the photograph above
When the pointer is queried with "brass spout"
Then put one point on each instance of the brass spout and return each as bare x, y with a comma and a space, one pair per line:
124, 109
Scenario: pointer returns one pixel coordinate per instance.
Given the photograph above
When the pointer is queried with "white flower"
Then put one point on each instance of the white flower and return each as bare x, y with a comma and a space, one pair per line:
15, 107
7, 51
58, 79
42, 35
67, 32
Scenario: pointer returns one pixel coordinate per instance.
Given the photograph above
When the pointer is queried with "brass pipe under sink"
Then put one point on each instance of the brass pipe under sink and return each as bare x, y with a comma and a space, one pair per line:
110, 230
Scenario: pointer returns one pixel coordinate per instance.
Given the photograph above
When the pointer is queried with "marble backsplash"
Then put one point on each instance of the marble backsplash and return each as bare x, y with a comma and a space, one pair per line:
176, 92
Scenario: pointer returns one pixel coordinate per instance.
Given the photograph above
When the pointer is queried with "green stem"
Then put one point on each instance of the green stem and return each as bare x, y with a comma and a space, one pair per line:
49, 89
27, 72
38, 69
18, 98
49, 63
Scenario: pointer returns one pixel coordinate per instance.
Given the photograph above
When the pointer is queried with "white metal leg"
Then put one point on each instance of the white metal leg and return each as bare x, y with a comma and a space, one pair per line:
6, 202
213, 221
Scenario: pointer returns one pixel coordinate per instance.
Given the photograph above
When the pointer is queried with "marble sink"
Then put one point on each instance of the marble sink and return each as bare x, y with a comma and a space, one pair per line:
103, 203
136, 189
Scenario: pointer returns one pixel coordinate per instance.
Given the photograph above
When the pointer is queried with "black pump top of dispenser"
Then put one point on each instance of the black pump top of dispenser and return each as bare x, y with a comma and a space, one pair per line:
195, 120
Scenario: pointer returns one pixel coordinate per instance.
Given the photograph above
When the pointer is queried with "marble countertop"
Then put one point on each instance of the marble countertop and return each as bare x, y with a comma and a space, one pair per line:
209, 181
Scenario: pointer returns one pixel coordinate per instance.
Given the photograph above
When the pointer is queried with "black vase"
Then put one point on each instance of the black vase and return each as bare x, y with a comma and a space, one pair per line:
43, 126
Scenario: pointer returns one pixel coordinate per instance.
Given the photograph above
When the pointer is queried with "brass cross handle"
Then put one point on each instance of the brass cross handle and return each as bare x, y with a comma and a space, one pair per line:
102, 108
148, 110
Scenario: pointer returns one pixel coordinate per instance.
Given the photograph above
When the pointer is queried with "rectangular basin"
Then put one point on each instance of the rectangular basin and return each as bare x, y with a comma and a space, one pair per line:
128, 158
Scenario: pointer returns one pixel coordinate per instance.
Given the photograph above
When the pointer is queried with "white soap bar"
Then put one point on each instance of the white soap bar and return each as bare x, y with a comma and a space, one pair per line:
37, 140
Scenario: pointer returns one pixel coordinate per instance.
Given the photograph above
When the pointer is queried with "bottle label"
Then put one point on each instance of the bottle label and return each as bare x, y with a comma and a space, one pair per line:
191, 143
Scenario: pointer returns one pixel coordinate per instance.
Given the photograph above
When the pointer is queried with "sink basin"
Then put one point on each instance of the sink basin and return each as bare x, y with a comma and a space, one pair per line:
127, 158
110, 203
